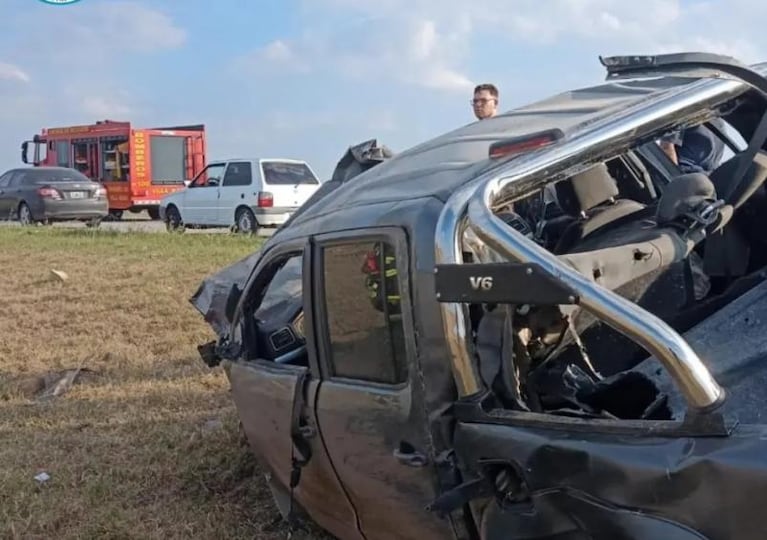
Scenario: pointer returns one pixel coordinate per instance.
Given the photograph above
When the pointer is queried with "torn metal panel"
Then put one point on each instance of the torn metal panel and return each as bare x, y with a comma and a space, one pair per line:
593, 485
733, 344
213, 294
263, 399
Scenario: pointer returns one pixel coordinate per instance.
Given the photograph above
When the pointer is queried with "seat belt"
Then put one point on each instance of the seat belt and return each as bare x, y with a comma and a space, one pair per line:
757, 141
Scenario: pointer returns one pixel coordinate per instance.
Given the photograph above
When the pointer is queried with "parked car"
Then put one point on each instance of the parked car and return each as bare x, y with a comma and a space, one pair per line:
244, 193
48, 194
433, 349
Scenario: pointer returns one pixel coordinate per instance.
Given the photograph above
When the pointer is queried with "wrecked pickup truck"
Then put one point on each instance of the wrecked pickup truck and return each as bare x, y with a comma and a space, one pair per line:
534, 326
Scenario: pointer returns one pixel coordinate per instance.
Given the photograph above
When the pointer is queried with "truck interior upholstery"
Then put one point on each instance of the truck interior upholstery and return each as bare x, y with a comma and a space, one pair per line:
679, 245
680, 249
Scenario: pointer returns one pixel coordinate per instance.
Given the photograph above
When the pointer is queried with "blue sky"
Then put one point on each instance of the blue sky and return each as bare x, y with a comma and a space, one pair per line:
307, 78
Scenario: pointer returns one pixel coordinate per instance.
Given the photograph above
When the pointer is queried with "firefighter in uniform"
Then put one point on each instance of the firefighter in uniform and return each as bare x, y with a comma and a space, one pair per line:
381, 279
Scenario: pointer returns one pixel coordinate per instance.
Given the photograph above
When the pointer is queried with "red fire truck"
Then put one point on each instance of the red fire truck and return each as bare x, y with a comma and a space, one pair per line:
136, 166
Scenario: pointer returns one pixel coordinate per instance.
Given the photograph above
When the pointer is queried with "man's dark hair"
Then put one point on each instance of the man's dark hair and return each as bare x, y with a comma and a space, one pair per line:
487, 86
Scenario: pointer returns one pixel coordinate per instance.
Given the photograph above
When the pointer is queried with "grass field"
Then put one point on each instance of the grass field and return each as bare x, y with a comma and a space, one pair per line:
146, 445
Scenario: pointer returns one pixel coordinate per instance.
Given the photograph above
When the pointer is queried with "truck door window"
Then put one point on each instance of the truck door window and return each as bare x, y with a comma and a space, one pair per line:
209, 176
40, 149
62, 154
238, 173
276, 331
80, 151
362, 303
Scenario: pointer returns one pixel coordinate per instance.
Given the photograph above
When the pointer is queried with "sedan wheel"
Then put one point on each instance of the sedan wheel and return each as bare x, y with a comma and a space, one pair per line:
246, 221
173, 219
25, 215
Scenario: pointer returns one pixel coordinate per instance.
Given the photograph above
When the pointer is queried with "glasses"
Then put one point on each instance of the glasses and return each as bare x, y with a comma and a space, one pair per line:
481, 101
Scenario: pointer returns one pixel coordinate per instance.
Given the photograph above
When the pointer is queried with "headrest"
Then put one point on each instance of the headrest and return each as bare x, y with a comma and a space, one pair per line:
683, 194
585, 190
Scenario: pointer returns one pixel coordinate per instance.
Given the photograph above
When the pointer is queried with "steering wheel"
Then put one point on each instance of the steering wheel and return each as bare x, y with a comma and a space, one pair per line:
280, 332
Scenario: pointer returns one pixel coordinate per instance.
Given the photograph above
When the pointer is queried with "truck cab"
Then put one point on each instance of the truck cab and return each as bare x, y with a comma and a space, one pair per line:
436, 348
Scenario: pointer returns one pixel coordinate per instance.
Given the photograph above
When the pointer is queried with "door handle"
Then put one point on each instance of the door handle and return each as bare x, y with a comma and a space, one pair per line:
408, 455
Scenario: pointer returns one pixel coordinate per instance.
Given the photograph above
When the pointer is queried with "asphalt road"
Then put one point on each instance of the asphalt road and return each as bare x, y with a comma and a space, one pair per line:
136, 223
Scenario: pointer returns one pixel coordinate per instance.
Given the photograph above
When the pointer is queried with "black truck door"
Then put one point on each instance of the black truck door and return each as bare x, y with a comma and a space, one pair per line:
274, 385
370, 406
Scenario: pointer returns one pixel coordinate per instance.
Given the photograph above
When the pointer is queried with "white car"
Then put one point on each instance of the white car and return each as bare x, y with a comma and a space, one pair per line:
246, 193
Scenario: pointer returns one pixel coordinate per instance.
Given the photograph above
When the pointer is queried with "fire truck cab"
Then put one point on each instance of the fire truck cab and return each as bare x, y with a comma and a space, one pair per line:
136, 166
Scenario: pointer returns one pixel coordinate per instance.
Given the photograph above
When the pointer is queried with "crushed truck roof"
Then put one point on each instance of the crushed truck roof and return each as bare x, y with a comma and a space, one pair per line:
438, 166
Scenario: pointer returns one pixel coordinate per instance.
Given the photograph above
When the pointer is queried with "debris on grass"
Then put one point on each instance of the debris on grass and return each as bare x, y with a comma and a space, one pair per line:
60, 382
212, 425
43, 477
59, 275
48, 385
118, 456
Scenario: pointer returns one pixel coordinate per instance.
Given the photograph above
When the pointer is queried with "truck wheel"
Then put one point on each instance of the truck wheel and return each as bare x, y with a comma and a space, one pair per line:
24, 215
115, 215
245, 221
154, 213
172, 219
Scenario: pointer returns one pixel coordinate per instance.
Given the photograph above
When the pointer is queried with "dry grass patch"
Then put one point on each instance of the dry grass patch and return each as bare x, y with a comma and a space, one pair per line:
146, 445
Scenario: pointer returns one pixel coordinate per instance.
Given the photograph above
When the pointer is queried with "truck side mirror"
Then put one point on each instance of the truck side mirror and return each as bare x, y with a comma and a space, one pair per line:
24, 147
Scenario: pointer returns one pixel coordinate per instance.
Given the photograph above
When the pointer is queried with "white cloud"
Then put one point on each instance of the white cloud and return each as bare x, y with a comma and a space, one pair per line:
274, 56
647, 25
424, 41
83, 81
381, 121
11, 72
428, 43
101, 28
530, 48
278, 51
421, 52
442, 78
136, 27
431, 51
428, 63
106, 107
529, 21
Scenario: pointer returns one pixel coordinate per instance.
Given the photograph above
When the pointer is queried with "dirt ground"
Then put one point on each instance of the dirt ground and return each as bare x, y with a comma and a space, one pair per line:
146, 443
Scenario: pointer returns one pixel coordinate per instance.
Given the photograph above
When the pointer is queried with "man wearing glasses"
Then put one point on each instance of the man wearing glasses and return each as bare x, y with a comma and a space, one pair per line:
485, 102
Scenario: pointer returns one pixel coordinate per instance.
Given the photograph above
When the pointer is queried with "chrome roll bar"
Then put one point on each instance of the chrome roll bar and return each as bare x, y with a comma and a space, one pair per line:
455, 317
473, 205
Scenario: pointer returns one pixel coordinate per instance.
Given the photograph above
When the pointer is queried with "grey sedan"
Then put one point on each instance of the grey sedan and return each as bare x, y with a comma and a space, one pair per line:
47, 194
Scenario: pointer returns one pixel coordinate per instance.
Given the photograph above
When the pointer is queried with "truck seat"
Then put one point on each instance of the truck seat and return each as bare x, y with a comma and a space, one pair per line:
590, 199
